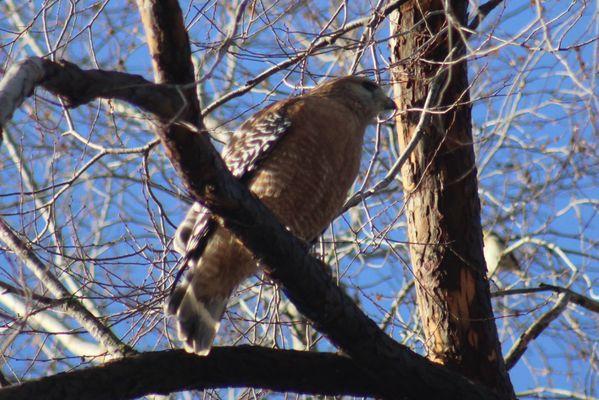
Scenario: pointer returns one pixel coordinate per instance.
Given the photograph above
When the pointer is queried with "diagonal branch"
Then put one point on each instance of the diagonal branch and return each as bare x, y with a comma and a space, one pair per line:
54, 326
538, 326
76, 87
518, 349
576, 298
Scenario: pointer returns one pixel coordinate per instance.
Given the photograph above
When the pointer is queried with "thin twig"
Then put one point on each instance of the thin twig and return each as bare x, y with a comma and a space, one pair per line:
77, 310
324, 42
576, 298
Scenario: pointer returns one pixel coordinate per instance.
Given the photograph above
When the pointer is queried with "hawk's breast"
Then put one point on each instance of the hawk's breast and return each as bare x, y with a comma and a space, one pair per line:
306, 179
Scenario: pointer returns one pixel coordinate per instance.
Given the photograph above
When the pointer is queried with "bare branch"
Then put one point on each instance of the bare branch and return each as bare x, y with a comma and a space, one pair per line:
18, 84
60, 332
482, 12
576, 298
518, 349
77, 310
319, 44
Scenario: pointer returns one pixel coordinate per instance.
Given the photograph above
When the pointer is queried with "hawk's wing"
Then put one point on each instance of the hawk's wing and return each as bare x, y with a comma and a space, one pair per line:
249, 146
255, 139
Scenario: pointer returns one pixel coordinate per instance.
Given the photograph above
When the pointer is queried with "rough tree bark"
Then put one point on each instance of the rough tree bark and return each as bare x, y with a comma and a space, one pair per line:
440, 188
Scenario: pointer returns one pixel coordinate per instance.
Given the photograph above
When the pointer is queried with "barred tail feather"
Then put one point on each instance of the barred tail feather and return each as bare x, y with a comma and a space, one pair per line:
198, 317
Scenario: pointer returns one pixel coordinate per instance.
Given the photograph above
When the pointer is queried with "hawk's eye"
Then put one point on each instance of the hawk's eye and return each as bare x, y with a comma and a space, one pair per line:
370, 86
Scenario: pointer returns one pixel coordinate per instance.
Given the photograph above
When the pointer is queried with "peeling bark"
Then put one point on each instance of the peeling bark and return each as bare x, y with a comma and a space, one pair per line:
442, 204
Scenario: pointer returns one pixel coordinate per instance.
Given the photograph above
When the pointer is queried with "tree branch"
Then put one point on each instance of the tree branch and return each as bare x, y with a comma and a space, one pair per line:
29, 294
77, 310
576, 298
535, 330
170, 371
482, 12
583, 301
55, 327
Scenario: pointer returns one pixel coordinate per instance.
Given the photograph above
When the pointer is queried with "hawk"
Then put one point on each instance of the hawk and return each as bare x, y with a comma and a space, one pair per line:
300, 157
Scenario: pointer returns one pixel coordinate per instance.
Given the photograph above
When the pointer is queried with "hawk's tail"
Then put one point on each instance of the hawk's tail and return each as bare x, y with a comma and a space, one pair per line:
198, 316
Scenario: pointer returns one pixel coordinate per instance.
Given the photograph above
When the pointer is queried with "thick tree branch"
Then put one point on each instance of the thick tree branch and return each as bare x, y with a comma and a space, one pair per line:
18, 84
482, 12
76, 87
29, 294
170, 371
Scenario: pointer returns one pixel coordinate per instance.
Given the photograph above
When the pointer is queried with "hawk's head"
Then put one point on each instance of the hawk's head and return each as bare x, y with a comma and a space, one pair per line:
362, 94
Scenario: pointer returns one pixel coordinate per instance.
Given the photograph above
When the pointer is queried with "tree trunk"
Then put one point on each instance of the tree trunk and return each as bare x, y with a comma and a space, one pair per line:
440, 188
